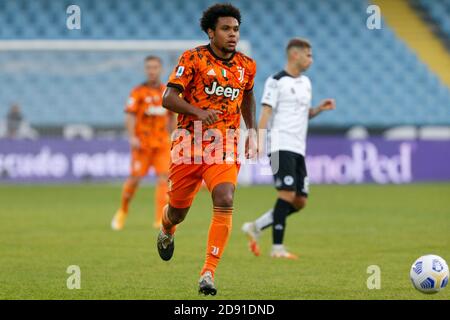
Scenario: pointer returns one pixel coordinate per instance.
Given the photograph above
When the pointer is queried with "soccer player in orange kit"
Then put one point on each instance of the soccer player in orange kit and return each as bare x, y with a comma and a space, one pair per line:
211, 87
148, 125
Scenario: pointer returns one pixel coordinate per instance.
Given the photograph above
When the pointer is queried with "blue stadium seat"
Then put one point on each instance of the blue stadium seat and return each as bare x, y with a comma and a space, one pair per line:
439, 11
370, 72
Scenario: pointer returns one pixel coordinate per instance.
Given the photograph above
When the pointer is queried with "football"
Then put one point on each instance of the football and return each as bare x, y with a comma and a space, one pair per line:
429, 274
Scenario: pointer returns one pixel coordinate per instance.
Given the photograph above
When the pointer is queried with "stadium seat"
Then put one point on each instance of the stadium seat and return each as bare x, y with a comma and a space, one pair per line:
369, 73
439, 12
401, 133
434, 133
75, 131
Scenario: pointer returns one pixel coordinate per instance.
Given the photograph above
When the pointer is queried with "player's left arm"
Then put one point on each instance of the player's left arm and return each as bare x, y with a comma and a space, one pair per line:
248, 109
172, 124
325, 105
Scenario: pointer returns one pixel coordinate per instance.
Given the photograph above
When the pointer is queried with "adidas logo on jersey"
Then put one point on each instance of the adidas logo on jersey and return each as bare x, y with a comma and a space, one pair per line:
211, 73
227, 92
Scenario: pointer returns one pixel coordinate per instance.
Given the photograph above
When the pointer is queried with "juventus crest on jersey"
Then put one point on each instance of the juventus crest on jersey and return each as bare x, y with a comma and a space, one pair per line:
290, 100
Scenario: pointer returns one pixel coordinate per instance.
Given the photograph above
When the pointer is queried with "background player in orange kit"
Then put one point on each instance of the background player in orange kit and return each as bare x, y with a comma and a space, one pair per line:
148, 125
216, 86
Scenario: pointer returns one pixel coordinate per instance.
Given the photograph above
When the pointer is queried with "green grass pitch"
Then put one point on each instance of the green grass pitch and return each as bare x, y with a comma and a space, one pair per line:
343, 230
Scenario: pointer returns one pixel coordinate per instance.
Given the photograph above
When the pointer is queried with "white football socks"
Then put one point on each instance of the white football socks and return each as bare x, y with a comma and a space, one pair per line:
277, 247
265, 220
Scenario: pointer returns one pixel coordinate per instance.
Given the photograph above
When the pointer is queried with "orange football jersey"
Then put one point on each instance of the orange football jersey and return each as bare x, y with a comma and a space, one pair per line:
152, 119
210, 82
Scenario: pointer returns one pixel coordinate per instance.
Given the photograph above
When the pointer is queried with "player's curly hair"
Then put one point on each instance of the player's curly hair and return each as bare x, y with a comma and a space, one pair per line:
214, 12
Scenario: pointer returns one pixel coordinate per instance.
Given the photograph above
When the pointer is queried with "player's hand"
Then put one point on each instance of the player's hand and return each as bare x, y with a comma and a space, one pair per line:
327, 104
209, 116
134, 142
251, 145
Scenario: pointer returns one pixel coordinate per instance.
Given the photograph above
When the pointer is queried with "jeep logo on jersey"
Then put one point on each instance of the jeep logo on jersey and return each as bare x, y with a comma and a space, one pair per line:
227, 92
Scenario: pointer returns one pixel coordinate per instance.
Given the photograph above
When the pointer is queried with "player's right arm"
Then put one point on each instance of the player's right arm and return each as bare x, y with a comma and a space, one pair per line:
130, 125
266, 113
268, 101
179, 80
130, 119
173, 102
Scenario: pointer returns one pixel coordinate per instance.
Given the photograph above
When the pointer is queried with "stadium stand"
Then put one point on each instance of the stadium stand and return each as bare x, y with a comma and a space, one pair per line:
439, 12
375, 78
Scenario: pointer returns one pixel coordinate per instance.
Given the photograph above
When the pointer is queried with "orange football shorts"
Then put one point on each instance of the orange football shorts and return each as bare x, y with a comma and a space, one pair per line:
143, 159
186, 179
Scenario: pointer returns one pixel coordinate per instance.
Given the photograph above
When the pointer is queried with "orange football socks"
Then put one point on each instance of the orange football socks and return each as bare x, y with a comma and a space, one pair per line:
128, 191
219, 232
161, 199
167, 226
